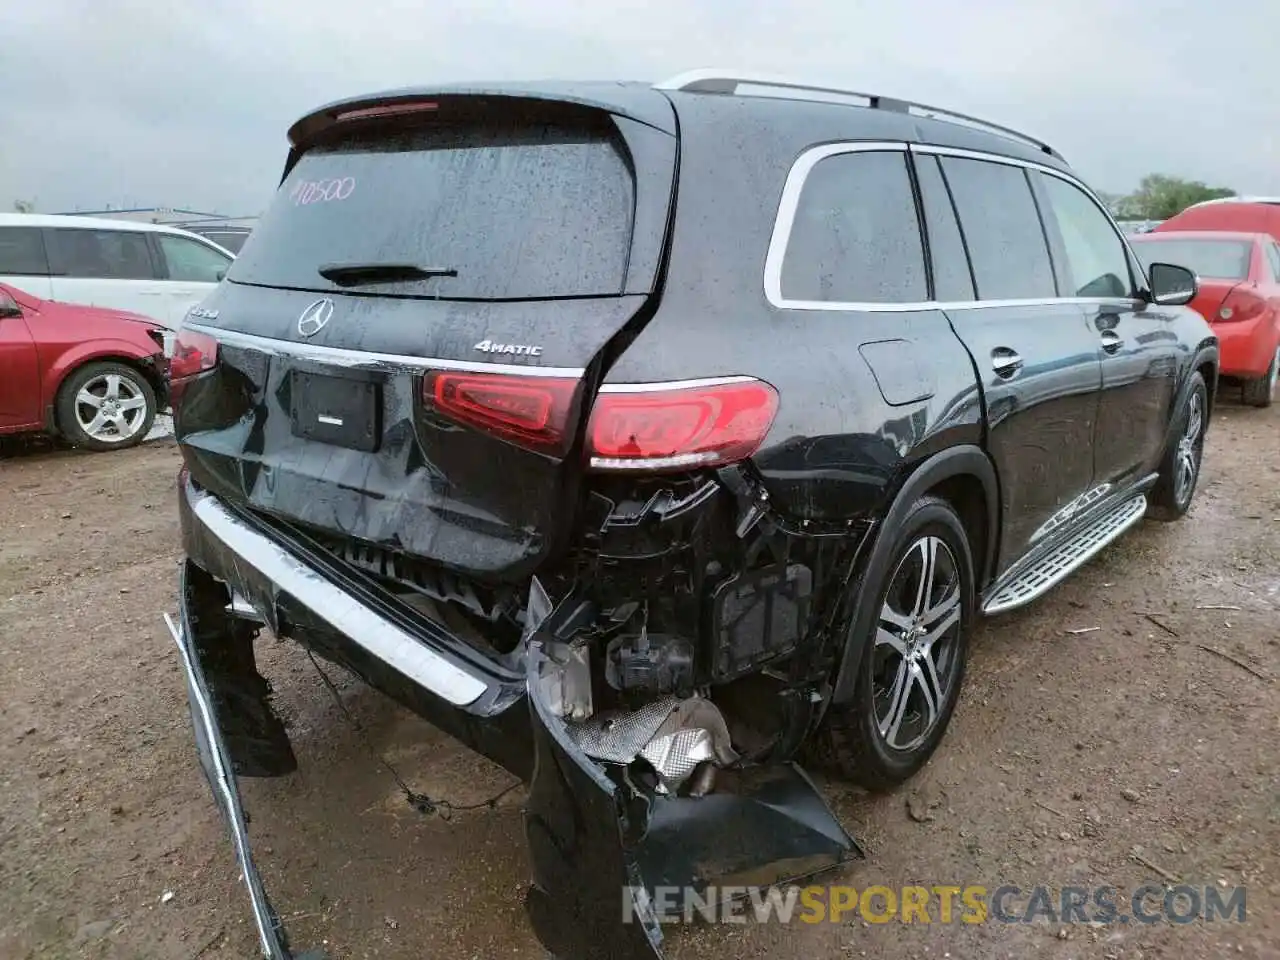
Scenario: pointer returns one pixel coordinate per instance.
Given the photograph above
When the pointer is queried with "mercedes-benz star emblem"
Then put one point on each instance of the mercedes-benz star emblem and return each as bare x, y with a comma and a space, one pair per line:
315, 317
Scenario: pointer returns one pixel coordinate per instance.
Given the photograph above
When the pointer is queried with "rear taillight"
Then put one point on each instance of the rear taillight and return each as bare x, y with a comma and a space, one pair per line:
533, 412
193, 353
1240, 305
658, 429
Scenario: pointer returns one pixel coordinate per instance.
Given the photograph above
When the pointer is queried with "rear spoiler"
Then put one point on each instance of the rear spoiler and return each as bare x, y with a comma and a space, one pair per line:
635, 101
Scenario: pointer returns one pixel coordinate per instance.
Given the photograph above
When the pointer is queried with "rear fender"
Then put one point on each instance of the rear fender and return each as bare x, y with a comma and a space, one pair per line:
962, 460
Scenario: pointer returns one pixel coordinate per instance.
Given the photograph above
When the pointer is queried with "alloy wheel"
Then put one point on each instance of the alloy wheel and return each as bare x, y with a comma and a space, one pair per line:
916, 645
111, 408
1187, 463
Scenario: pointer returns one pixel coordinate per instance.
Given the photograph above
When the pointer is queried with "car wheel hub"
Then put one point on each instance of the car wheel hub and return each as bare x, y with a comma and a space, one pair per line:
110, 408
916, 652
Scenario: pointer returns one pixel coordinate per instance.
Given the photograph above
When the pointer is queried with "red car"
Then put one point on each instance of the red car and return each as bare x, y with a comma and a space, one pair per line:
1239, 296
94, 376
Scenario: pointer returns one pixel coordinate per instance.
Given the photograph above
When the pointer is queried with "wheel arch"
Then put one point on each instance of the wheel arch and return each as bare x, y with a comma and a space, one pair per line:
964, 476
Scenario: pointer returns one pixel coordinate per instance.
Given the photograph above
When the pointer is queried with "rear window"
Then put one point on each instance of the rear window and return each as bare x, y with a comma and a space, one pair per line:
1219, 259
518, 212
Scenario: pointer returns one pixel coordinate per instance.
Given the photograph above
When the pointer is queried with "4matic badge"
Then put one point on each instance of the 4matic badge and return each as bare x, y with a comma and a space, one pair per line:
515, 349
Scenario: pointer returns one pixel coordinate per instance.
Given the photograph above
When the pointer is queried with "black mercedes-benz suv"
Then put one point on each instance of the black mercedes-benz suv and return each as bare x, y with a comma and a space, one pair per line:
650, 438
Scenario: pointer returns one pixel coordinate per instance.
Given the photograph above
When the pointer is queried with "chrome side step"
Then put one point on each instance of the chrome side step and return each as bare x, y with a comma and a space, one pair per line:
1055, 566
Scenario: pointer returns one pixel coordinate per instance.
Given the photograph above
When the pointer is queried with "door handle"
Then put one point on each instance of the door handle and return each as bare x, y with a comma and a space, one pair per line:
1111, 341
1005, 362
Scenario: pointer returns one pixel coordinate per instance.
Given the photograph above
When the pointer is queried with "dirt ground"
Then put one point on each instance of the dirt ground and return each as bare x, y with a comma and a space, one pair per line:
1157, 732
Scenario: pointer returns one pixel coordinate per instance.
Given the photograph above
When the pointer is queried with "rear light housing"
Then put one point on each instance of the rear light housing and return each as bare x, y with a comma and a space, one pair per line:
658, 429
192, 354
633, 428
1239, 306
532, 412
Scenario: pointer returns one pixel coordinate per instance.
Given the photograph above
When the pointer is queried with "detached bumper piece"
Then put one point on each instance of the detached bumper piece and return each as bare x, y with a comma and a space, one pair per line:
216, 761
606, 834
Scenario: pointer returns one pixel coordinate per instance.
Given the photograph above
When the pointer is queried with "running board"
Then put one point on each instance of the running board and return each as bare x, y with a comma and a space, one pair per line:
1059, 563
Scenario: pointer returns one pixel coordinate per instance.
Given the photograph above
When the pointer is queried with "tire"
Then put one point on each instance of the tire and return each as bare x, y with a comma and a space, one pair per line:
886, 731
1262, 391
81, 419
1180, 469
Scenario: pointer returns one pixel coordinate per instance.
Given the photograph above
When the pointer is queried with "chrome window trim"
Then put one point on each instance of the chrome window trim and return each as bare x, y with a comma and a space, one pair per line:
786, 217
790, 201
367, 360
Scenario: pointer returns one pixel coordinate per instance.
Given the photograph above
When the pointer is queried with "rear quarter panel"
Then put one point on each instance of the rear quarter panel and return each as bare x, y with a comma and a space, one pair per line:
838, 446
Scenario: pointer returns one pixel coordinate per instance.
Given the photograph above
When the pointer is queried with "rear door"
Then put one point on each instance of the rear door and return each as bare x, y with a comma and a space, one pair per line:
106, 268
1140, 347
1035, 355
190, 270
410, 341
23, 260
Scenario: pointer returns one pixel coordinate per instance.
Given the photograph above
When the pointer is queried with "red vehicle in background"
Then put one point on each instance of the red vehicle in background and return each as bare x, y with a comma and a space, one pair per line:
91, 375
1239, 295
1236, 214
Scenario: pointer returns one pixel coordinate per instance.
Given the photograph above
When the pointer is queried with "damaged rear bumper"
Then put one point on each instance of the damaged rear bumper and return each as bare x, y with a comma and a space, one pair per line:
601, 848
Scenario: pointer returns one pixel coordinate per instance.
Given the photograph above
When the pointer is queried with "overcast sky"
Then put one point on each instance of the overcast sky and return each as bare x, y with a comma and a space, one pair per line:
186, 105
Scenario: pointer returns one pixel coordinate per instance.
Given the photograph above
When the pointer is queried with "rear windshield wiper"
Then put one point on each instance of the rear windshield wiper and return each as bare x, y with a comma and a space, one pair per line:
355, 274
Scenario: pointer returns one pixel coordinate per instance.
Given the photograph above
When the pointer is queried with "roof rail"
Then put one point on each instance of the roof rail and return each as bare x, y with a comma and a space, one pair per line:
728, 82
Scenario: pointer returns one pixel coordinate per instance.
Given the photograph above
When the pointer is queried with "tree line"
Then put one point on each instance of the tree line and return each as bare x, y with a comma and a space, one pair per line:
1160, 197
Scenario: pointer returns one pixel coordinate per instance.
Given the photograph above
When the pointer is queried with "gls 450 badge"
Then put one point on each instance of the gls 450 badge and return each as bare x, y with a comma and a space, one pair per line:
515, 349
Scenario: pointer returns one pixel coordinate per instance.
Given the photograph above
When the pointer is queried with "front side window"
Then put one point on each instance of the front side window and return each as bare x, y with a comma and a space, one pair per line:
22, 252
1273, 254
856, 235
104, 254
192, 261
1096, 258
1002, 229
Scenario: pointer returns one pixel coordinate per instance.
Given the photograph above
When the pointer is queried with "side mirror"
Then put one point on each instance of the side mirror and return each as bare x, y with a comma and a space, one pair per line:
8, 308
1172, 286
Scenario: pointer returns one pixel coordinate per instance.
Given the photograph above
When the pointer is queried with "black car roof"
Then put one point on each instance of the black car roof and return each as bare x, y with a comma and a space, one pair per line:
882, 117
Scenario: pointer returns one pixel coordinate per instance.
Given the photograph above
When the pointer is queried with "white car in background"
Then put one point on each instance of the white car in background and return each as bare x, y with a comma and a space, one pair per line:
157, 271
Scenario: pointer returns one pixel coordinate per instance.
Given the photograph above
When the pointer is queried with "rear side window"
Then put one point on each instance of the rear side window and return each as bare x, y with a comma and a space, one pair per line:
191, 260
22, 252
231, 242
1096, 258
856, 234
1273, 254
517, 212
952, 281
1002, 229
103, 254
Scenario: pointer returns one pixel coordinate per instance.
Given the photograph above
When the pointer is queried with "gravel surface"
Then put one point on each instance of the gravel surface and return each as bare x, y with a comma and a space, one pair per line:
1144, 749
